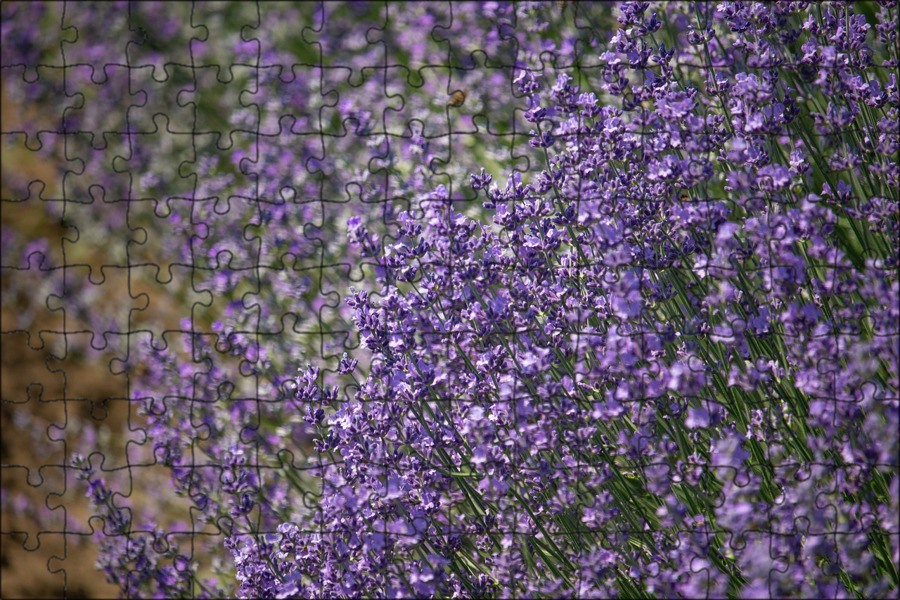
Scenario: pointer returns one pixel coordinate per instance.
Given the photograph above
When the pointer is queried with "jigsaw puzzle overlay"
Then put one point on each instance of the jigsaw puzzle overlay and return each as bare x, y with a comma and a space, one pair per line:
431, 299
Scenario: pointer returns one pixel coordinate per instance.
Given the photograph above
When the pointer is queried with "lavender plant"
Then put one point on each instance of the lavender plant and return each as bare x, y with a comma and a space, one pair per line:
668, 368
661, 361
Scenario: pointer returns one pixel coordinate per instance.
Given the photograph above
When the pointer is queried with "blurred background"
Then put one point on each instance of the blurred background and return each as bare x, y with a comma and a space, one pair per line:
42, 395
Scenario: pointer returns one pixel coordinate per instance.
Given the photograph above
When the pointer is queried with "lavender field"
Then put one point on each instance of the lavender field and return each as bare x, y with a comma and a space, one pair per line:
450, 299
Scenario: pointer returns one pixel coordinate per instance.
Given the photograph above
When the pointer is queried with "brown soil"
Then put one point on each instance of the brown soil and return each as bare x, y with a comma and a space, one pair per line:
46, 550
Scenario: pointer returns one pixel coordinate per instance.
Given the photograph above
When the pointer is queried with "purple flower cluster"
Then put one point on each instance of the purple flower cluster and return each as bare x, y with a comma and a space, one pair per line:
670, 367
